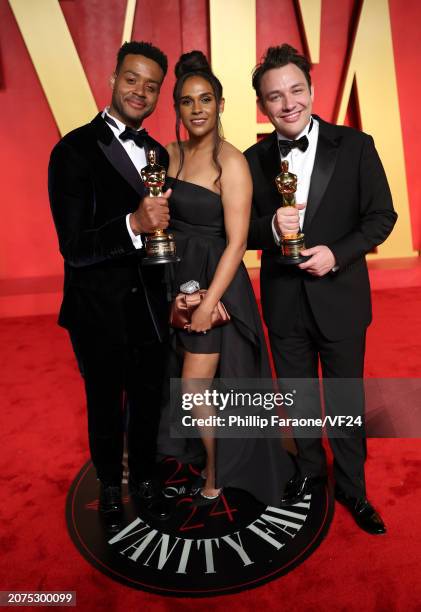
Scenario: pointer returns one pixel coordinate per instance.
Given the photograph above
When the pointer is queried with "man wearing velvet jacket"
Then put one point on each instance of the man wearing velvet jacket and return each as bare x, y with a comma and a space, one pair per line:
318, 310
114, 308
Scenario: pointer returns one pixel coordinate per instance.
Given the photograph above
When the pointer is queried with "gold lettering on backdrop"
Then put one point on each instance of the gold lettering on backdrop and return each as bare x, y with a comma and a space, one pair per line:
233, 55
233, 35
372, 65
128, 21
56, 62
311, 15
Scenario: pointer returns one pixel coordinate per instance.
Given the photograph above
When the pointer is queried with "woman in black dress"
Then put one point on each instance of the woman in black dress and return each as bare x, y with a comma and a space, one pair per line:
210, 213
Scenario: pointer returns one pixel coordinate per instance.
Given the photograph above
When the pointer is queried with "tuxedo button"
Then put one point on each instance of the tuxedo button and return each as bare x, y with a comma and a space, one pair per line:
134, 289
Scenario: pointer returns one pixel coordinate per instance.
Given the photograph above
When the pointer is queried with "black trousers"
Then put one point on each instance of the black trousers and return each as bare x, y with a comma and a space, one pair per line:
298, 356
116, 377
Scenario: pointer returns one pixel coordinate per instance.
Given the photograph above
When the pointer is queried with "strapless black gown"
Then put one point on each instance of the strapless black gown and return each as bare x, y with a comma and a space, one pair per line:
258, 465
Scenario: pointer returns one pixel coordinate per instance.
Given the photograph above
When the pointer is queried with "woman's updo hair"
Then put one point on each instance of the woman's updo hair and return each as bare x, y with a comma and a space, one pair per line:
189, 65
195, 63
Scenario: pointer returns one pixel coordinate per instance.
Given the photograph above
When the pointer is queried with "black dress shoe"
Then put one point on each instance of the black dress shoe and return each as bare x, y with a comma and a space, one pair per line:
298, 487
147, 495
363, 512
110, 499
159, 509
110, 506
146, 490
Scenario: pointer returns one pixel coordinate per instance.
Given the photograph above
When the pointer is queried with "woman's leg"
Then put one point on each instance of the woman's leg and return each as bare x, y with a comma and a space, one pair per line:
198, 373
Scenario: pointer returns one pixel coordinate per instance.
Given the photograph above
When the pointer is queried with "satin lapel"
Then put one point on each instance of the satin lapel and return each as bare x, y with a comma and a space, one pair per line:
324, 165
116, 155
270, 159
270, 162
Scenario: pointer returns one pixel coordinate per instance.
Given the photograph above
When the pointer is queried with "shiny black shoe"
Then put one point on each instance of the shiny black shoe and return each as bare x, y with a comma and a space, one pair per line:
366, 517
159, 509
298, 487
110, 506
147, 496
145, 490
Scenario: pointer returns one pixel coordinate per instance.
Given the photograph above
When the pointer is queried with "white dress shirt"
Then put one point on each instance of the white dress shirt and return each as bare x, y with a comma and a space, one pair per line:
137, 156
301, 163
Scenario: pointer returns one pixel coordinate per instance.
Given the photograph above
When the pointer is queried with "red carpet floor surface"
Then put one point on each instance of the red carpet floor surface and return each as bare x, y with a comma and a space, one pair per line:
44, 444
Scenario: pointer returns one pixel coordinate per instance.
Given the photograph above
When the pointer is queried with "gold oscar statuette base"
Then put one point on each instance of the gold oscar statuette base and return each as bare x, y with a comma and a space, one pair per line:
160, 249
290, 250
159, 246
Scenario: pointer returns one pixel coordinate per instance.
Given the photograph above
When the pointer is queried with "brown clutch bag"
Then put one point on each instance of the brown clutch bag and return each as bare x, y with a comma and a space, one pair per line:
185, 304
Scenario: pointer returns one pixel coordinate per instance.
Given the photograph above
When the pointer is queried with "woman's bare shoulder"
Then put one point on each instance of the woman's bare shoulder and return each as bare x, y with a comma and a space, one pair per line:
174, 154
172, 147
228, 150
231, 158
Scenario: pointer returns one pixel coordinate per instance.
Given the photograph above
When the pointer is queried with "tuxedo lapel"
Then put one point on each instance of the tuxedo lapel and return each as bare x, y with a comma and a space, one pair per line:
270, 157
324, 165
117, 155
270, 166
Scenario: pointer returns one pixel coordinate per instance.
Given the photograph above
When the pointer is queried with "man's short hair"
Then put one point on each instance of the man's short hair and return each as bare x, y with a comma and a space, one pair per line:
276, 57
142, 48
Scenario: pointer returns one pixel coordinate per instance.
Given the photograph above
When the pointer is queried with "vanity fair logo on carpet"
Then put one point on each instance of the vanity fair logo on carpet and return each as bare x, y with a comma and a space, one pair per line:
234, 544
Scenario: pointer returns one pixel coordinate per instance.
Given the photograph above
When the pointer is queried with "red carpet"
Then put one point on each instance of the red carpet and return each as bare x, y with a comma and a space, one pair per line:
44, 445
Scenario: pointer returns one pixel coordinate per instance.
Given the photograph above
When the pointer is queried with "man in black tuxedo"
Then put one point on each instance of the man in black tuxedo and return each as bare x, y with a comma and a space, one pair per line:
318, 310
114, 308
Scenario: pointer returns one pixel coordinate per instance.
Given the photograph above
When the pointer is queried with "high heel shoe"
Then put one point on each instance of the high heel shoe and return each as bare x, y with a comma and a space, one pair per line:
200, 499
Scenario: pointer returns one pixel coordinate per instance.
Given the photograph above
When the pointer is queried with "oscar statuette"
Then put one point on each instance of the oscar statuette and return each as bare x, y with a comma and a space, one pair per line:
160, 246
291, 244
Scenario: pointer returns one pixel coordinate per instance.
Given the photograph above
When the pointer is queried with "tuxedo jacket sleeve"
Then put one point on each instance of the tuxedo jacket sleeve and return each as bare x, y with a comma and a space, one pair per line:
377, 216
84, 240
93, 185
371, 193
90, 198
349, 209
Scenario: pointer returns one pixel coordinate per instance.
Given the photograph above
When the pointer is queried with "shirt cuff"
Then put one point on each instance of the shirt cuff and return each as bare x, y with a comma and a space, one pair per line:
275, 233
137, 240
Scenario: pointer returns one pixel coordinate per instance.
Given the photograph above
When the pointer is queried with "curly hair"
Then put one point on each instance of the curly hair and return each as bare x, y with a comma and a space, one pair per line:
276, 57
142, 48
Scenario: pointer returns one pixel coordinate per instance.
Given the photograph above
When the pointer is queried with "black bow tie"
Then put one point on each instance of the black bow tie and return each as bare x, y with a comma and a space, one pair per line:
141, 137
285, 146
